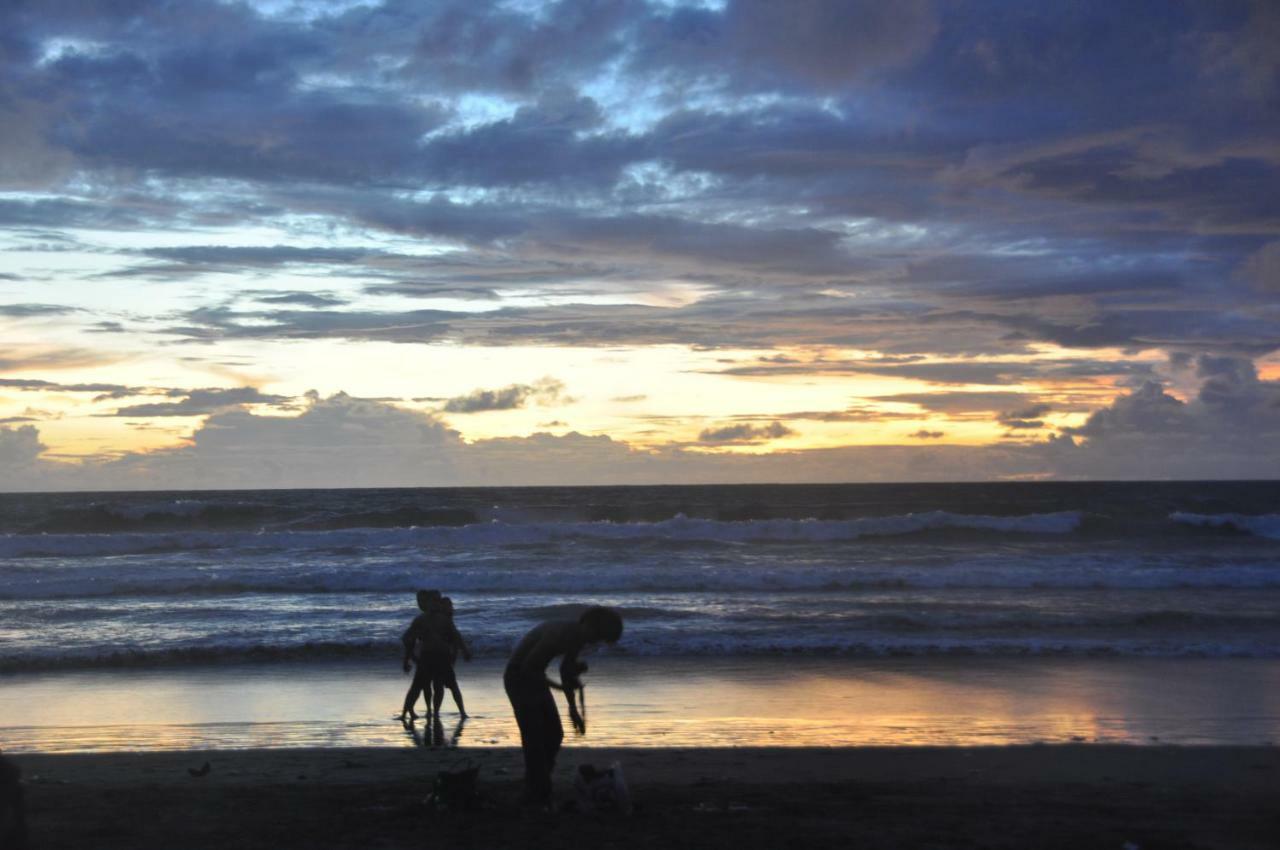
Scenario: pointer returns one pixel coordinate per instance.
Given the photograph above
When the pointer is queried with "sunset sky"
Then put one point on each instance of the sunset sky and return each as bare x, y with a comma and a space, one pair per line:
615, 241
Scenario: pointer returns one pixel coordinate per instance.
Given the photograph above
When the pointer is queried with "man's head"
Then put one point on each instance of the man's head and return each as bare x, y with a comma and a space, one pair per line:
601, 624
446, 604
428, 599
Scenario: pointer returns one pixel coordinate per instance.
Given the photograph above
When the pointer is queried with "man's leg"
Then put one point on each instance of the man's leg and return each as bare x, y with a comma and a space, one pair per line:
550, 734
518, 697
554, 735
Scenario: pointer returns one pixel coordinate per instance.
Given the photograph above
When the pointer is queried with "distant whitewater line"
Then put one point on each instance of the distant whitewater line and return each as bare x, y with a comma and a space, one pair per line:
710, 646
676, 530
498, 533
403, 577
1264, 525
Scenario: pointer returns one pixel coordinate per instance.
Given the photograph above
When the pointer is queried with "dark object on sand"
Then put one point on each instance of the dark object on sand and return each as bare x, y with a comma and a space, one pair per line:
456, 790
602, 790
13, 818
203, 770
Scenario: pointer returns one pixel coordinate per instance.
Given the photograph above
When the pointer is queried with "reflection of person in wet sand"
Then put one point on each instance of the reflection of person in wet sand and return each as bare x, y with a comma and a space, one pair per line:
530, 691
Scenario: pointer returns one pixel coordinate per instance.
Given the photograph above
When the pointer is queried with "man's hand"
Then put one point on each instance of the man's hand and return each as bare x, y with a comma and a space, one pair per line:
579, 725
408, 666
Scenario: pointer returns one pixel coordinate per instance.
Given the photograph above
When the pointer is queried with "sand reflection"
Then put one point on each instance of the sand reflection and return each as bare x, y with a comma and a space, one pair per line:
643, 703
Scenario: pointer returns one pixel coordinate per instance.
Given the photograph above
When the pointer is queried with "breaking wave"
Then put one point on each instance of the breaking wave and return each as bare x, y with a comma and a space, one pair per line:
1263, 525
497, 533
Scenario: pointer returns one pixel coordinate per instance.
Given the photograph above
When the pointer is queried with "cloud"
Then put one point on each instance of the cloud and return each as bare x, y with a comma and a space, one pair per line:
545, 392
745, 433
1262, 269
1024, 419
19, 450
960, 403
16, 360
305, 299
755, 44
342, 441
29, 311
101, 390
335, 440
948, 193
1227, 430
928, 435
200, 402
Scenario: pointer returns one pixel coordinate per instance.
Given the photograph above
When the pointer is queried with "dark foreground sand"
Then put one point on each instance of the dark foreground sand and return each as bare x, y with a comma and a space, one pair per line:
1068, 796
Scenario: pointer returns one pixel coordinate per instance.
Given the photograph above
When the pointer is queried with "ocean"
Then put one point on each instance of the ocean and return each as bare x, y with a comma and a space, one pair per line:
149, 580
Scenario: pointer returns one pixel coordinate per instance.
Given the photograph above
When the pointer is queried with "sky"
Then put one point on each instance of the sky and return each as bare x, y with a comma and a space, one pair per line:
316, 244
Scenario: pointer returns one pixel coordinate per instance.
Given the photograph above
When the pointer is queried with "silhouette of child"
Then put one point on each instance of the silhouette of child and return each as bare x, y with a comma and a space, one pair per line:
414, 644
457, 645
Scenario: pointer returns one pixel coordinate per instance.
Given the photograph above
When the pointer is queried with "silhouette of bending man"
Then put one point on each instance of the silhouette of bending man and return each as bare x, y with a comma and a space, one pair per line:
529, 690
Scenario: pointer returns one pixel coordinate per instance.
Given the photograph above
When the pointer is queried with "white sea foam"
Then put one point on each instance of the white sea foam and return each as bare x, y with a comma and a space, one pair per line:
1262, 525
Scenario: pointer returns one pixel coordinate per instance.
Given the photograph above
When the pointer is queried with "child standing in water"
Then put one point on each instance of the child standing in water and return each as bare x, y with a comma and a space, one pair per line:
432, 644
457, 644
413, 642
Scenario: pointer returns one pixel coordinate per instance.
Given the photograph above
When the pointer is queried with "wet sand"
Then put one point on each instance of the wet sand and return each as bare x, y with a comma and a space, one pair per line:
681, 702
1016, 797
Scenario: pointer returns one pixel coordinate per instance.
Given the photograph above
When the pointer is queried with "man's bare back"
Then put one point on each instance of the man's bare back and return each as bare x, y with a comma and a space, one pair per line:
542, 644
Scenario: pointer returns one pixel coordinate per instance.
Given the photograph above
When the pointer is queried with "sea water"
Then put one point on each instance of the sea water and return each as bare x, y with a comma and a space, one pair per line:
1014, 569
765, 615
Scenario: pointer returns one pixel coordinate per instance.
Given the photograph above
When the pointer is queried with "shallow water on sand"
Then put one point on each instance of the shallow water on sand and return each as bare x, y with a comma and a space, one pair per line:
639, 702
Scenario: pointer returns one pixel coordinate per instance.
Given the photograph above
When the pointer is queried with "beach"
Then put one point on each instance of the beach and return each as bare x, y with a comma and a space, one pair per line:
642, 702
740, 753
1066, 796
993, 666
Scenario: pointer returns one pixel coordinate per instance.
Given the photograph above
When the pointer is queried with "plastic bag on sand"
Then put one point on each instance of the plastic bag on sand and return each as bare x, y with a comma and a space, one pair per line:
602, 790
